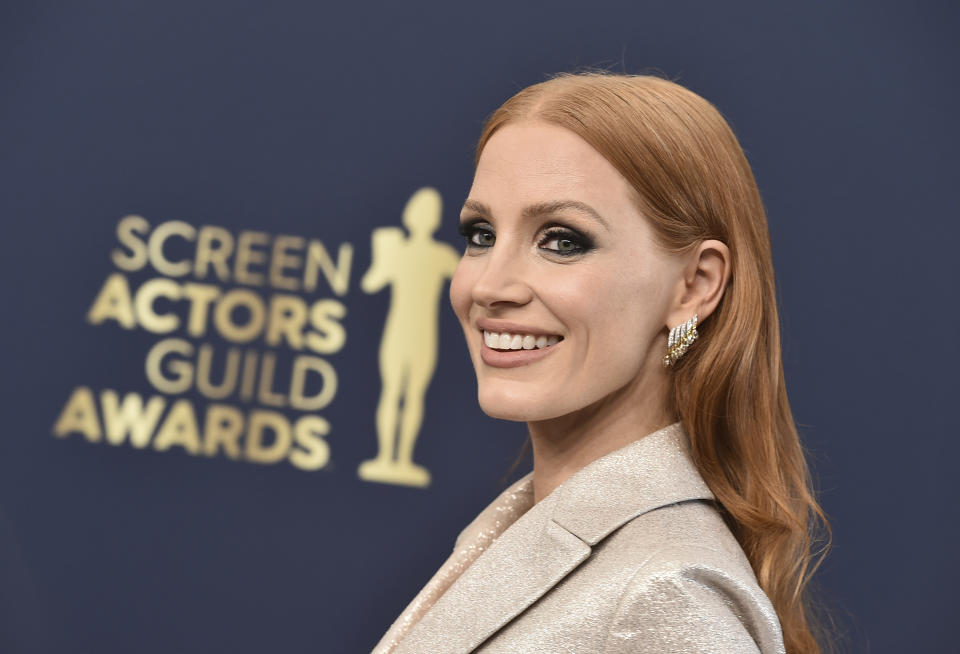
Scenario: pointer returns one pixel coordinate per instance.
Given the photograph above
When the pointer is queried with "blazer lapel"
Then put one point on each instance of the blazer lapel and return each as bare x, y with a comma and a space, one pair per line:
651, 472
554, 537
528, 559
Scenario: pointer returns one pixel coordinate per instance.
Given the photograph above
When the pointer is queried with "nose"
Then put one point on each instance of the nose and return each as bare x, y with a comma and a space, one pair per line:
503, 281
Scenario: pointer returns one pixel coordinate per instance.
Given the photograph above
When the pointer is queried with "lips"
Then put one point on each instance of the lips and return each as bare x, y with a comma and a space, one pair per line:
511, 346
508, 344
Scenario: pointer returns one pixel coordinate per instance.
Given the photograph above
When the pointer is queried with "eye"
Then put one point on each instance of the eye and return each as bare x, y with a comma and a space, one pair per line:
477, 234
564, 242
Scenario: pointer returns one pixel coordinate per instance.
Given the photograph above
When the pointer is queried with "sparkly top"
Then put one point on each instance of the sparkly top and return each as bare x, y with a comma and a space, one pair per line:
477, 537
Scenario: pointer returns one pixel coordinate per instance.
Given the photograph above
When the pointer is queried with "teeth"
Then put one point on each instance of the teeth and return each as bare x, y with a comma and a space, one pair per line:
508, 341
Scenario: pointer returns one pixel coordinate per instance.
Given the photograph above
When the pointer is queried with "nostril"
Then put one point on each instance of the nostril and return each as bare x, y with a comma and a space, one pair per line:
500, 283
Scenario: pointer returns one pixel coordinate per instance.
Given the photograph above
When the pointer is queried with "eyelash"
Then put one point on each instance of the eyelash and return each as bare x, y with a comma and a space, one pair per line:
581, 243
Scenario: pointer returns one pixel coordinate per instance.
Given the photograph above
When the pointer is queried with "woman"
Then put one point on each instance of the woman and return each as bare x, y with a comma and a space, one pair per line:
617, 294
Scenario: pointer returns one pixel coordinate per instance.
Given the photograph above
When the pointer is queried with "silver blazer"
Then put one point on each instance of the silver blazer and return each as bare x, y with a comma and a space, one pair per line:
629, 554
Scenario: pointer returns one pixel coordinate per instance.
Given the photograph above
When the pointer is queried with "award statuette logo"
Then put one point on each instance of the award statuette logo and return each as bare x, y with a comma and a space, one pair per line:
415, 267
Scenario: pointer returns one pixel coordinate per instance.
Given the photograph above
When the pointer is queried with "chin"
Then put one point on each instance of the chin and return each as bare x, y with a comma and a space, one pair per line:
517, 407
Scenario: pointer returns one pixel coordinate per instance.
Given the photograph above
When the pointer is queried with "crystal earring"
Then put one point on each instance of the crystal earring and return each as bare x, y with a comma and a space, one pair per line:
680, 339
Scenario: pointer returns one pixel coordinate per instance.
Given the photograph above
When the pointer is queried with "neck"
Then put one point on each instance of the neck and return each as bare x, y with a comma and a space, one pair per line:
563, 445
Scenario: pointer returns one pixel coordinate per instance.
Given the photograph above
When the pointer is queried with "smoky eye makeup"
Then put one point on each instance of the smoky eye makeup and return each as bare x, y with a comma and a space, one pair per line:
564, 241
554, 238
477, 232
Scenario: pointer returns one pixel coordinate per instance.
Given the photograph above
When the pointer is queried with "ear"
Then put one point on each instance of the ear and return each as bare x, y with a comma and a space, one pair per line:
704, 279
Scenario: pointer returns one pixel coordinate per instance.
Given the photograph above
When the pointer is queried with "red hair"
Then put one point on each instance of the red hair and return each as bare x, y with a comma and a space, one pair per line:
693, 183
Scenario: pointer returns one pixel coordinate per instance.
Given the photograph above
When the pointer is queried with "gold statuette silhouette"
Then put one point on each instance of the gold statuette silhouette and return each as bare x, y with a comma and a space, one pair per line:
415, 267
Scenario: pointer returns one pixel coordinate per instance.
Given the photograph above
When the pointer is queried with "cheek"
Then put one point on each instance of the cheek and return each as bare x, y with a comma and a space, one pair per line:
583, 298
616, 312
461, 287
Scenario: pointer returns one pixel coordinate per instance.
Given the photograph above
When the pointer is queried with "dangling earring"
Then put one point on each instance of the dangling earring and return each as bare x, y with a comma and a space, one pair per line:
680, 339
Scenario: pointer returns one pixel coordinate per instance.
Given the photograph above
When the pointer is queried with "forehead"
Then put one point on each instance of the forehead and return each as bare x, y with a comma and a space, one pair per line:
538, 161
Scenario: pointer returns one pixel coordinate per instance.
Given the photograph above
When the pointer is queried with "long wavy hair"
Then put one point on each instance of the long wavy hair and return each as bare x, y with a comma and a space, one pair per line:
692, 183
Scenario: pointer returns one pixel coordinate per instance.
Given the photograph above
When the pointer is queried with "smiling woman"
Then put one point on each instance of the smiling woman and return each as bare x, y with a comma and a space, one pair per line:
616, 294
585, 269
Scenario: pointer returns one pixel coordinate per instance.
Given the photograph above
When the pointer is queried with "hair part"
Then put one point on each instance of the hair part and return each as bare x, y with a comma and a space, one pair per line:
692, 182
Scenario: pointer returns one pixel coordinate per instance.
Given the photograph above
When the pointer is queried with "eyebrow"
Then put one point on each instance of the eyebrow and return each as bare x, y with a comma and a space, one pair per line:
543, 208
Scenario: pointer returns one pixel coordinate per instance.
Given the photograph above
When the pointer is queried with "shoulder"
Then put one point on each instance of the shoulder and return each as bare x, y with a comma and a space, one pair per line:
690, 587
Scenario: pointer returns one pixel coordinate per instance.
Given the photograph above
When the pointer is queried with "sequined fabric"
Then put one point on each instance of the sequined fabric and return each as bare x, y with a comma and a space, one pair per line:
478, 535
628, 555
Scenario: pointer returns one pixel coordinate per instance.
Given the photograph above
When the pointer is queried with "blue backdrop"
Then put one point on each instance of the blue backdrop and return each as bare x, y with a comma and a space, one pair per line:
319, 121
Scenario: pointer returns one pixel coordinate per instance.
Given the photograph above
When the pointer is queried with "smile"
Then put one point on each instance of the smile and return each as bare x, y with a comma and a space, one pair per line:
512, 341
514, 349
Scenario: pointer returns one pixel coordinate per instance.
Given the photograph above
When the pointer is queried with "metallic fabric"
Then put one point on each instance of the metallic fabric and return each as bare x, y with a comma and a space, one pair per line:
627, 555
473, 540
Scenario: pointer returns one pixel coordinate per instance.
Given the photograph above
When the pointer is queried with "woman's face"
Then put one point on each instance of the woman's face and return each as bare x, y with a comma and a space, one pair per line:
558, 253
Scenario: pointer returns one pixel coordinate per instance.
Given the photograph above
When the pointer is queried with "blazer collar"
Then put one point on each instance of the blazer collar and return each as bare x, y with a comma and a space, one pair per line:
651, 472
555, 536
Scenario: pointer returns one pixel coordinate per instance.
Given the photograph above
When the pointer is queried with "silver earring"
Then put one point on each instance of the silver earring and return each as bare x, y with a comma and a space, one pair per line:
681, 337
